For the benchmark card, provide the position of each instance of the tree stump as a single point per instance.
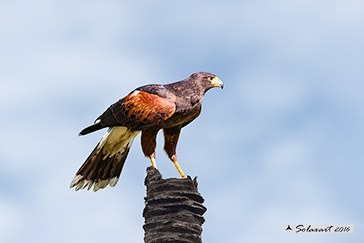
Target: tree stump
(173, 209)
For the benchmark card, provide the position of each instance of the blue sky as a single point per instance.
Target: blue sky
(282, 143)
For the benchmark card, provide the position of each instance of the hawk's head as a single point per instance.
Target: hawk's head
(207, 80)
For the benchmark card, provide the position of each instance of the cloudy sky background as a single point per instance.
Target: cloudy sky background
(282, 143)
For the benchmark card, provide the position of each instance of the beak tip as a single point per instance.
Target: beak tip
(216, 82)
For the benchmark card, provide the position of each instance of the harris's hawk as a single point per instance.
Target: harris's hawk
(146, 109)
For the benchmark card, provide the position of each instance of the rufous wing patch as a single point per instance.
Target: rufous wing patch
(140, 106)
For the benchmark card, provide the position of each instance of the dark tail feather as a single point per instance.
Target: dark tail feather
(91, 129)
(98, 171)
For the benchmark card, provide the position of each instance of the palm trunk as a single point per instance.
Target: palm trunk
(173, 209)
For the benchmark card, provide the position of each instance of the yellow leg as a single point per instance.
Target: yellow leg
(154, 164)
(179, 169)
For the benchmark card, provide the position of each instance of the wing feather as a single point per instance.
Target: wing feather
(142, 108)
(138, 110)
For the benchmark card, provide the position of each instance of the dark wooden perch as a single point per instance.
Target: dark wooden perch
(173, 209)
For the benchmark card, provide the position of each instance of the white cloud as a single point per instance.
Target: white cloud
(11, 218)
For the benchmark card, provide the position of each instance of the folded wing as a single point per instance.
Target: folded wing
(137, 111)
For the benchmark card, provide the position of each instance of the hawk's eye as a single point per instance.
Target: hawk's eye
(211, 78)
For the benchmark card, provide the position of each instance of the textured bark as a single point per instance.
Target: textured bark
(173, 209)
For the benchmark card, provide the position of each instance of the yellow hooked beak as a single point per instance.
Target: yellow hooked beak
(216, 82)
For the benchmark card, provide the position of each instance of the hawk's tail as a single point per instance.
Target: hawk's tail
(103, 166)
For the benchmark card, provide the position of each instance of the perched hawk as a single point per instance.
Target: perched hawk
(147, 109)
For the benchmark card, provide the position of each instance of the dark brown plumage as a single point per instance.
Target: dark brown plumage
(146, 109)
